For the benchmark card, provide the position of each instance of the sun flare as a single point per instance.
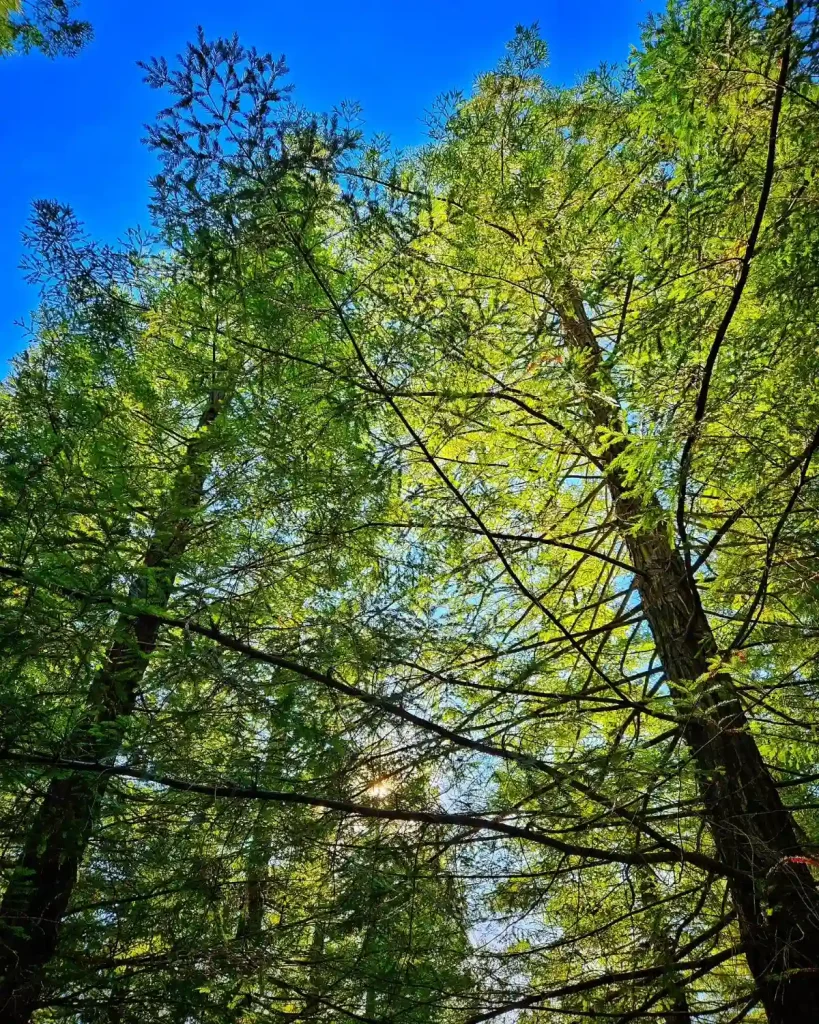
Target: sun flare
(380, 788)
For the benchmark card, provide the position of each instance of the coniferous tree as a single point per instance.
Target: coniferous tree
(482, 617)
(45, 25)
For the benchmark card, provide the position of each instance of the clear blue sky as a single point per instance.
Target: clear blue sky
(71, 129)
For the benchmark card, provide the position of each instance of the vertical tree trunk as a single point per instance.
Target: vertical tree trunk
(312, 1004)
(778, 906)
(676, 1006)
(43, 879)
(251, 918)
(250, 929)
(679, 1012)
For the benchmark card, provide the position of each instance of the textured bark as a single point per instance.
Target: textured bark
(44, 877)
(778, 907)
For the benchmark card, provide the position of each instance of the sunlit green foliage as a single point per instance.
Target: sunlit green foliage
(485, 683)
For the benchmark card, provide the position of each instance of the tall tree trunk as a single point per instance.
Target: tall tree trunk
(44, 877)
(250, 930)
(676, 1006)
(778, 906)
(251, 918)
(312, 1004)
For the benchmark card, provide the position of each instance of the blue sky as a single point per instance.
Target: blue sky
(71, 129)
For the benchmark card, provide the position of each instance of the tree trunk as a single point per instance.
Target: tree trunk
(312, 1004)
(43, 879)
(676, 1006)
(251, 917)
(778, 906)
(251, 931)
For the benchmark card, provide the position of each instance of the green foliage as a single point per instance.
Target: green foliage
(45, 25)
(496, 613)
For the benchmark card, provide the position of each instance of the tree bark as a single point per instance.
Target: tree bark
(45, 874)
(778, 906)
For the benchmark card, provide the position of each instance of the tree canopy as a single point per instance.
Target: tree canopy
(45, 25)
(410, 586)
